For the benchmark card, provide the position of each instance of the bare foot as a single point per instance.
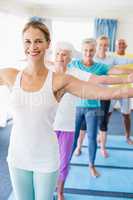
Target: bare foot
(77, 152)
(60, 196)
(129, 141)
(94, 173)
(104, 153)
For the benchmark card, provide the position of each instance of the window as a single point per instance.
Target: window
(72, 31)
(11, 50)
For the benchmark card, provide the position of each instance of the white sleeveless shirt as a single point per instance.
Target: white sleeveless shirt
(65, 115)
(33, 143)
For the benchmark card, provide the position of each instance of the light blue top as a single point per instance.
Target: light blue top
(119, 60)
(96, 68)
(112, 60)
(108, 60)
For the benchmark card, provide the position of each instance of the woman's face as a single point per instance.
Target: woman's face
(35, 44)
(62, 56)
(102, 46)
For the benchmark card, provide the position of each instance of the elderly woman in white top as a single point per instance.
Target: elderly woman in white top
(64, 124)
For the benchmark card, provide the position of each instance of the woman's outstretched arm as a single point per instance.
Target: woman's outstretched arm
(121, 69)
(8, 76)
(87, 90)
(111, 80)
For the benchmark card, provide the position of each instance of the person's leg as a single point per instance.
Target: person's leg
(22, 183)
(91, 117)
(78, 150)
(65, 140)
(127, 125)
(81, 138)
(125, 110)
(111, 108)
(44, 185)
(78, 121)
(103, 127)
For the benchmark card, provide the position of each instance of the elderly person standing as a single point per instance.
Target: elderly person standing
(125, 107)
(64, 124)
(89, 109)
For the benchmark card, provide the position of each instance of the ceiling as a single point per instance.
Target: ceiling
(70, 8)
(85, 3)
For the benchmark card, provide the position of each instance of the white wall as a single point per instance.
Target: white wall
(121, 10)
(125, 30)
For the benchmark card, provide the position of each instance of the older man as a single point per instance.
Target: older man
(123, 58)
(121, 46)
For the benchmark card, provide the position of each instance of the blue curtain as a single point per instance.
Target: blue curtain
(107, 27)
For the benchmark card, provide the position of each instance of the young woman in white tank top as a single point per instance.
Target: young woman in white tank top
(33, 155)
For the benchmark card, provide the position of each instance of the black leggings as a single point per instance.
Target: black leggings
(83, 125)
(103, 123)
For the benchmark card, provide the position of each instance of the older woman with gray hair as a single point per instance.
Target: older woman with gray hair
(64, 124)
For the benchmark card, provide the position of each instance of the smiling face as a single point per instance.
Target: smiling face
(121, 46)
(102, 45)
(63, 55)
(35, 44)
(88, 52)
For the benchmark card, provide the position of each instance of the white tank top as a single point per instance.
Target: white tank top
(33, 143)
(65, 116)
